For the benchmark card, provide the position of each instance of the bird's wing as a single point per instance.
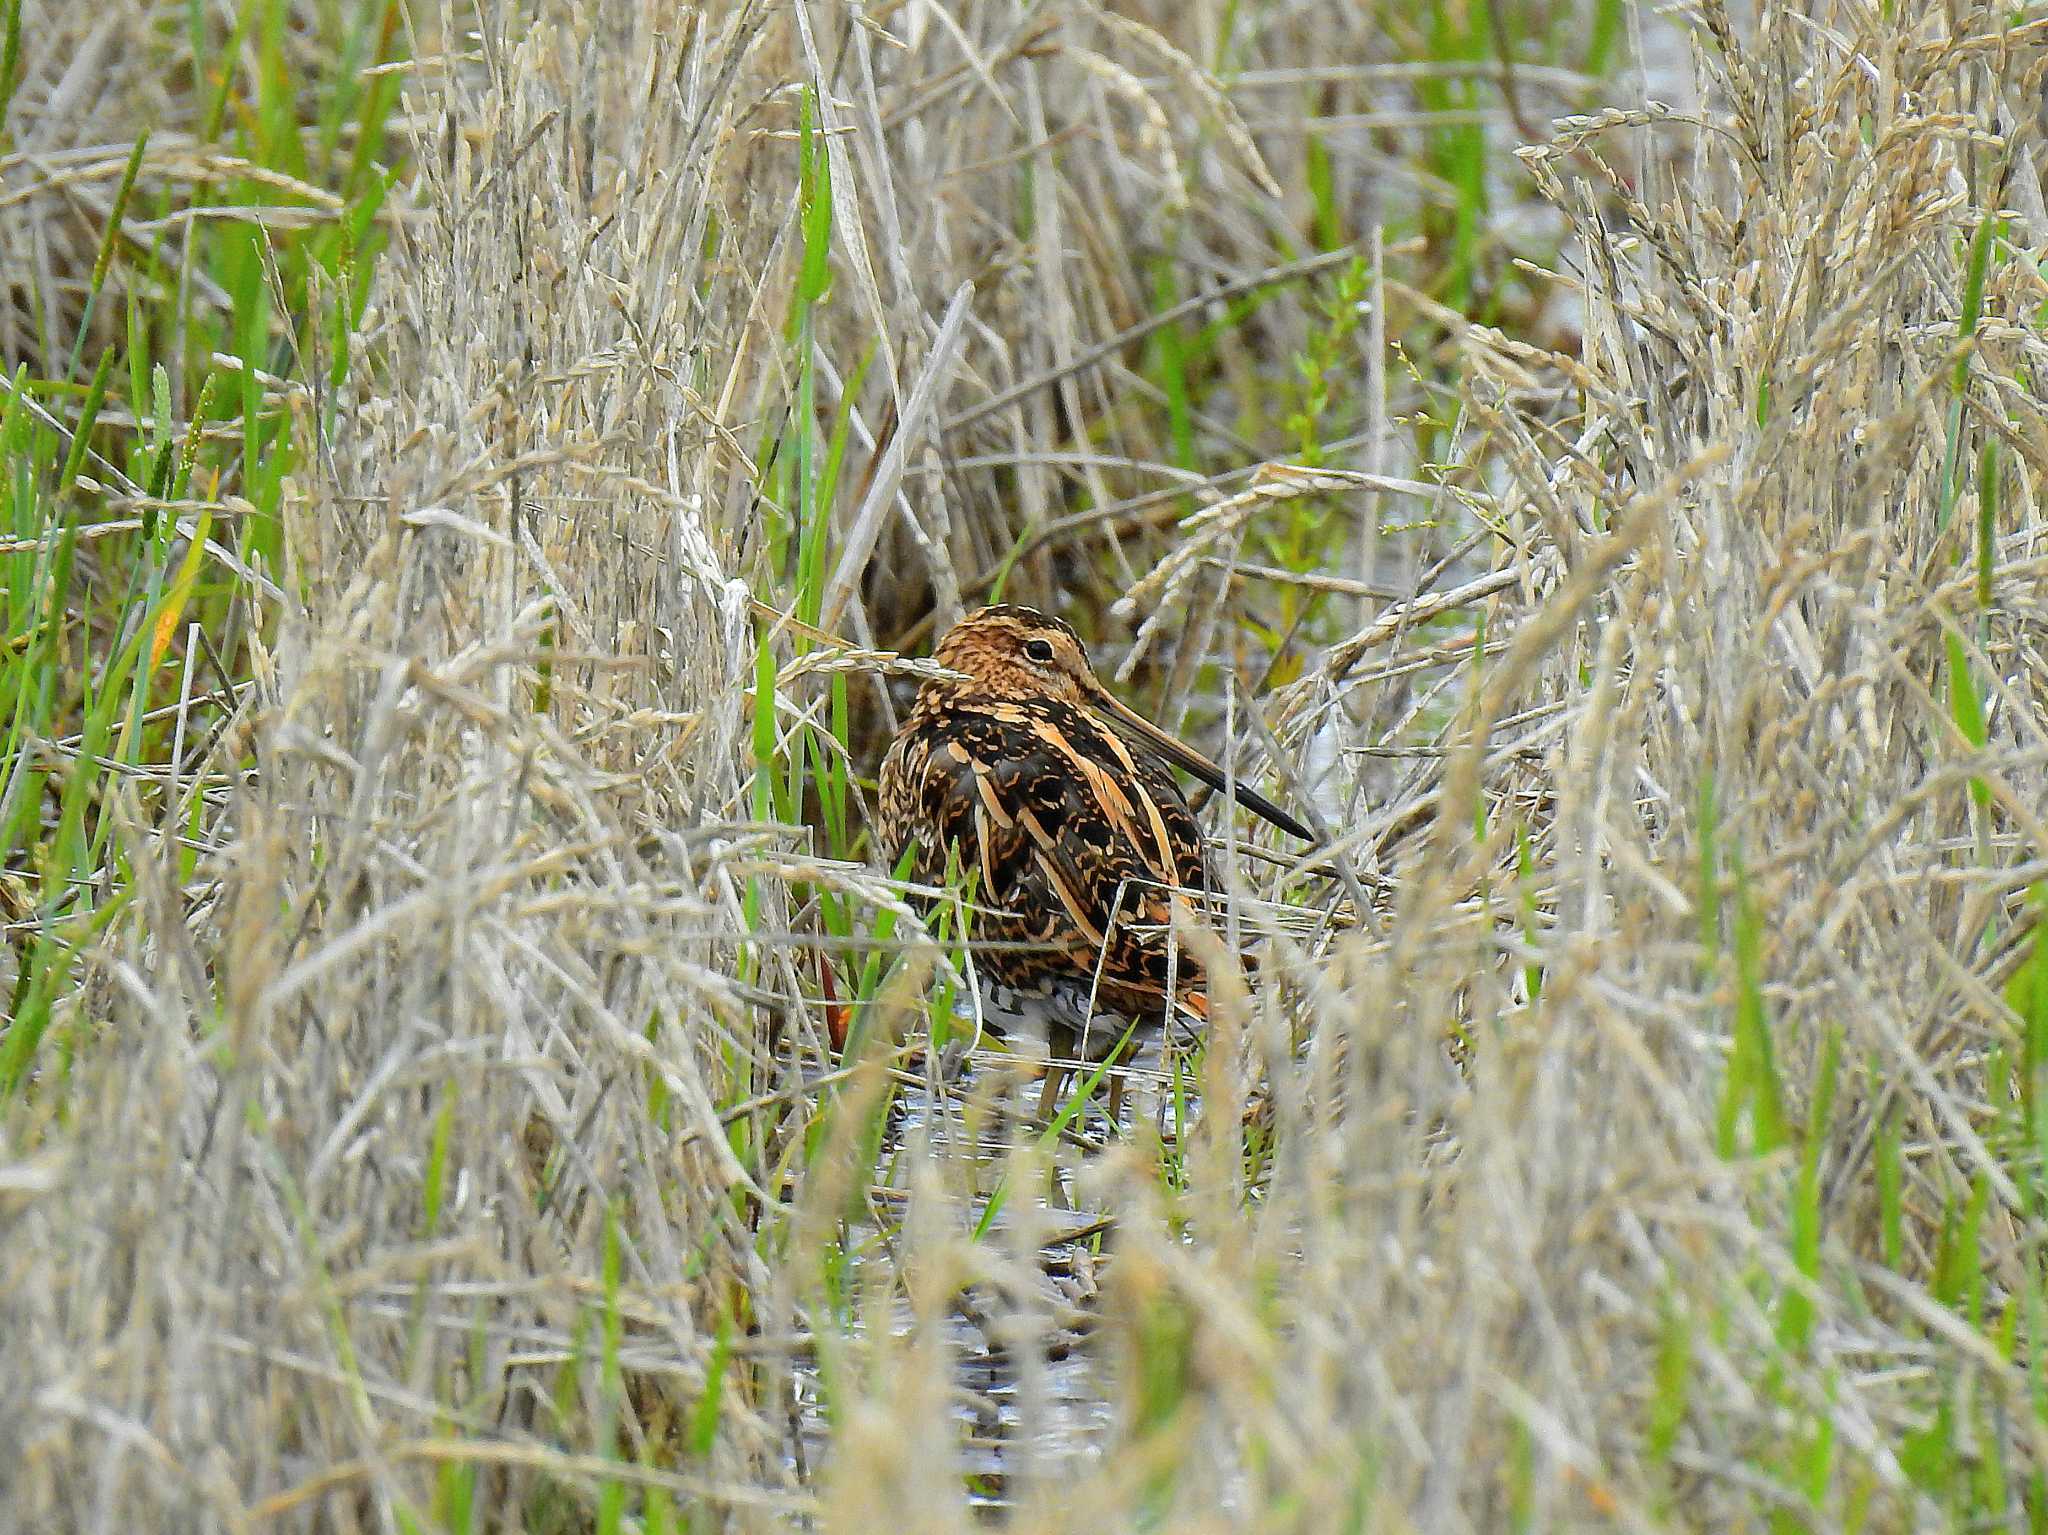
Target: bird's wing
(1078, 838)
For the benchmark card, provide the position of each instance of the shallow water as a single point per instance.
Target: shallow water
(1048, 1417)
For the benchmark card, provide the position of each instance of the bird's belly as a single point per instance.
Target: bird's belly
(1054, 1012)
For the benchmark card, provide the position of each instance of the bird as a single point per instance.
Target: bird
(1020, 773)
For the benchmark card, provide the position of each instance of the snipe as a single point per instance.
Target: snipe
(1058, 801)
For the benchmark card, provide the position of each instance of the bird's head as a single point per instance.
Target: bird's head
(1019, 654)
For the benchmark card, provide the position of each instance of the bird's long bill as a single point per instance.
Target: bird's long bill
(1182, 755)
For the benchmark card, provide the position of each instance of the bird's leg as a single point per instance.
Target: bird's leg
(1048, 1097)
(1067, 1025)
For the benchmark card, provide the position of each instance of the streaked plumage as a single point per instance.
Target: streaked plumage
(1061, 800)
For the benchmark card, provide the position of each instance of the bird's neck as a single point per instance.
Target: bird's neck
(945, 697)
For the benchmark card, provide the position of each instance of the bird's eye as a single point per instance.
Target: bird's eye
(1039, 651)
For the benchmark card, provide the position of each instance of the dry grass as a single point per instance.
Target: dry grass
(414, 1148)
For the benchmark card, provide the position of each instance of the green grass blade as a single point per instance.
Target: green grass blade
(10, 61)
(109, 243)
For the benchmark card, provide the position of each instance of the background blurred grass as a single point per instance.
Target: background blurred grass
(432, 834)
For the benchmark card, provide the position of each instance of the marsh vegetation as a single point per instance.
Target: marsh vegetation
(476, 481)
